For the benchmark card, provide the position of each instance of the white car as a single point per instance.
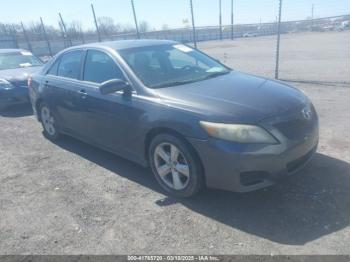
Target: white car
(250, 35)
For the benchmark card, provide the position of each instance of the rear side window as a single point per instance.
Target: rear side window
(70, 64)
(100, 67)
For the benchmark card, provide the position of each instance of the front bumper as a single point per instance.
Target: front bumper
(13, 96)
(247, 167)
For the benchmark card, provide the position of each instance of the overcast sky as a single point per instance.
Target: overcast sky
(170, 12)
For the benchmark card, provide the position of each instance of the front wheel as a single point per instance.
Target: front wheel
(48, 122)
(175, 166)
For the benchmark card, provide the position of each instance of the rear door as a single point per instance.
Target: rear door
(66, 91)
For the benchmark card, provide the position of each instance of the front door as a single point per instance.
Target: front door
(107, 117)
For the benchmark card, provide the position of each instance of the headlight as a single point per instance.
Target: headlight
(4, 84)
(239, 133)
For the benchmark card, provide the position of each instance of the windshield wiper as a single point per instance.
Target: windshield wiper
(216, 74)
(176, 83)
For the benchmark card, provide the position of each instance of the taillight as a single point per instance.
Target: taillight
(29, 81)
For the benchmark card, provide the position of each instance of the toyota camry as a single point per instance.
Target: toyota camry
(194, 121)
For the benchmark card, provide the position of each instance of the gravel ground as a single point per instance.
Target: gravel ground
(71, 198)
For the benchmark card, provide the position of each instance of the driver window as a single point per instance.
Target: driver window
(100, 67)
(54, 68)
(69, 65)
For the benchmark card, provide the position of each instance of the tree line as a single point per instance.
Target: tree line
(75, 28)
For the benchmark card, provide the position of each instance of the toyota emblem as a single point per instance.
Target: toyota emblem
(307, 113)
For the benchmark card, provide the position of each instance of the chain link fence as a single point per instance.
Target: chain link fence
(311, 50)
(39, 45)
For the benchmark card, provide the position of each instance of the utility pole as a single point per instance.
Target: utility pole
(193, 26)
(220, 20)
(278, 39)
(96, 24)
(65, 30)
(135, 19)
(45, 35)
(231, 19)
(27, 38)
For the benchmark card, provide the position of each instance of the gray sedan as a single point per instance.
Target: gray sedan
(193, 120)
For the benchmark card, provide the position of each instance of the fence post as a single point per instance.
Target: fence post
(220, 20)
(193, 26)
(278, 39)
(45, 35)
(96, 24)
(135, 19)
(65, 30)
(27, 38)
(62, 34)
(231, 19)
(312, 15)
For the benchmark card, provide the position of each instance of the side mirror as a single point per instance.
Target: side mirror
(112, 86)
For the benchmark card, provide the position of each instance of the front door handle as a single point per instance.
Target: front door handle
(82, 93)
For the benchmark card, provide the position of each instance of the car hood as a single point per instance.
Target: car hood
(18, 74)
(235, 97)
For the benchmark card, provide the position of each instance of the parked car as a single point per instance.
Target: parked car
(193, 120)
(250, 35)
(15, 67)
(344, 26)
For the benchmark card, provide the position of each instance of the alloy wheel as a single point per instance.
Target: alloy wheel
(172, 166)
(48, 121)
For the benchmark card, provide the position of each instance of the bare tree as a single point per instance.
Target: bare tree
(107, 26)
(75, 29)
(127, 28)
(4, 30)
(144, 26)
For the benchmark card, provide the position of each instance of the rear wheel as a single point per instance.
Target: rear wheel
(175, 166)
(48, 122)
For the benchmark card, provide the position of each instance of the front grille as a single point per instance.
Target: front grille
(297, 127)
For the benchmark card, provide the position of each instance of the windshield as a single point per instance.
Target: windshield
(18, 60)
(170, 65)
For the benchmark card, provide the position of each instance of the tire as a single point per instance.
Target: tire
(48, 122)
(168, 158)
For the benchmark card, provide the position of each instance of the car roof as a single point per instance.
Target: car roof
(124, 44)
(11, 50)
